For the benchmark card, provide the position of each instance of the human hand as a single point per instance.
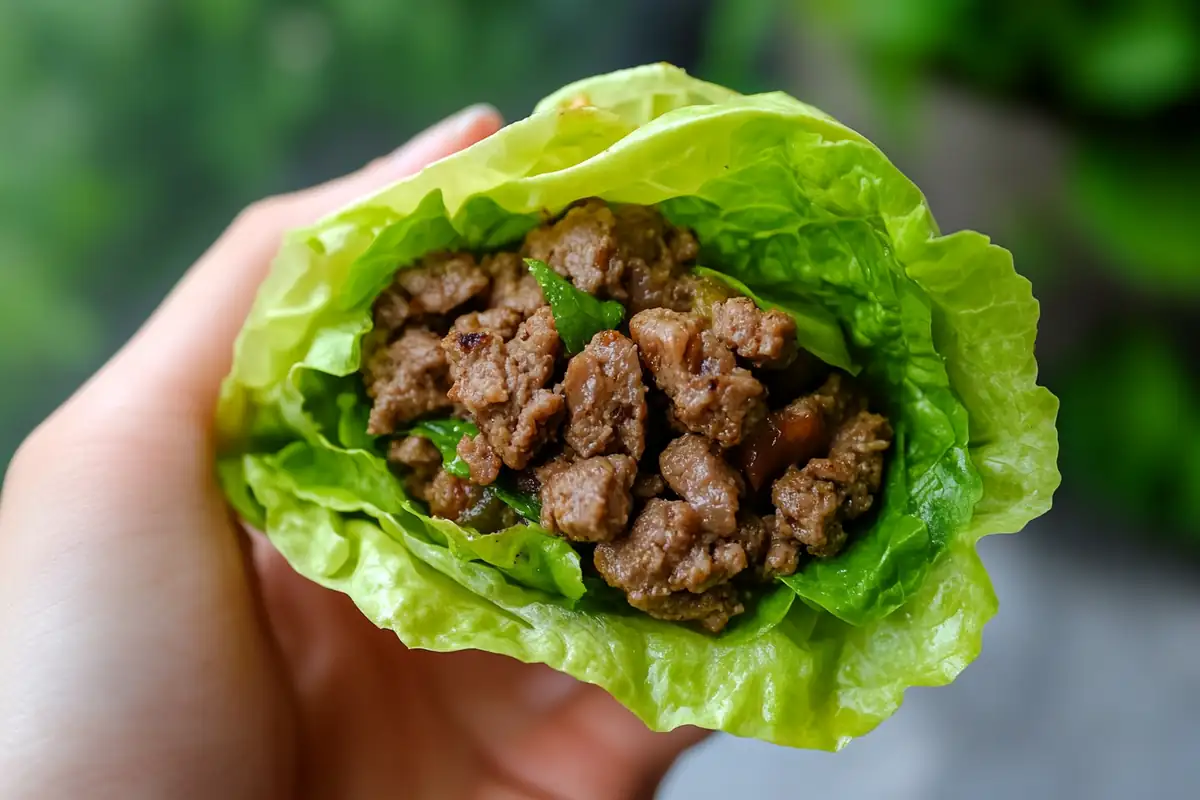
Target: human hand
(149, 647)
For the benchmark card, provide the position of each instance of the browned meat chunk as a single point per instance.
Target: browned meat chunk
(392, 311)
(421, 460)
(606, 399)
(481, 459)
(590, 500)
(438, 284)
(813, 502)
(710, 394)
(503, 321)
(766, 338)
(783, 551)
(512, 285)
(450, 497)
(668, 550)
(442, 282)
(559, 463)
(628, 253)
(469, 505)
(711, 609)
(754, 535)
(692, 466)
(671, 569)
(502, 385)
(859, 446)
(581, 246)
(654, 251)
(407, 379)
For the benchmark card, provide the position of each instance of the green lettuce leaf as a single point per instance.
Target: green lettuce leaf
(347, 483)
(577, 315)
(445, 434)
(810, 217)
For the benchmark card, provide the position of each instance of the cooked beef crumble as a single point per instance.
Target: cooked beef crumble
(626, 253)
(407, 379)
(655, 443)
(589, 500)
(764, 338)
(709, 393)
(502, 385)
(606, 399)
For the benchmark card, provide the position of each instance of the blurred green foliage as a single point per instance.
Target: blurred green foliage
(1130, 427)
(1124, 58)
(1122, 75)
(132, 130)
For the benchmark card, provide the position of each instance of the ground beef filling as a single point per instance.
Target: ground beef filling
(503, 387)
(659, 446)
(710, 394)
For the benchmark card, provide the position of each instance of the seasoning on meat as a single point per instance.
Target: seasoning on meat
(711, 609)
(442, 282)
(512, 286)
(482, 461)
(670, 558)
(783, 551)
(502, 385)
(407, 379)
(449, 497)
(503, 321)
(694, 469)
(765, 338)
(710, 394)
(590, 500)
(813, 502)
(626, 253)
(606, 399)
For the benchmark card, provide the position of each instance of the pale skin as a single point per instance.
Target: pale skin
(150, 647)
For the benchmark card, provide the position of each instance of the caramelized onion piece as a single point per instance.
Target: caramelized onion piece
(791, 435)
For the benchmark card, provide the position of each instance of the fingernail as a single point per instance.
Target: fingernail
(466, 119)
(453, 126)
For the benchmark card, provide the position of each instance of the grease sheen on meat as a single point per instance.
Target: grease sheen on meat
(407, 380)
(503, 385)
(589, 500)
(606, 399)
(655, 449)
(710, 394)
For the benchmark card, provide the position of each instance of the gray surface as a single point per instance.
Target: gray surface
(1088, 687)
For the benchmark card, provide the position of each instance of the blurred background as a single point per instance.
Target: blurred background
(132, 131)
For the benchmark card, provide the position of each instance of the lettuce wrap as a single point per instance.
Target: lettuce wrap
(798, 212)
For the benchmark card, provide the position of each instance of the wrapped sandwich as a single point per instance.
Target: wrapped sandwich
(676, 390)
